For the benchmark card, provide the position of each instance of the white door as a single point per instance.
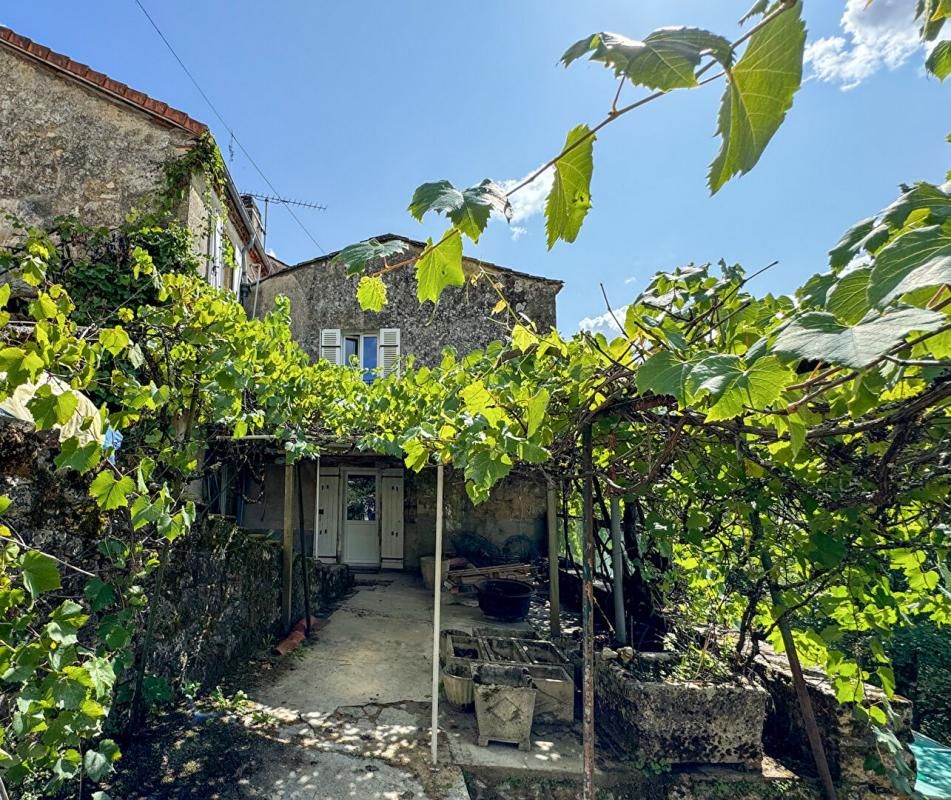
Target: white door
(391, 512)
(328, 516)
(361, 524)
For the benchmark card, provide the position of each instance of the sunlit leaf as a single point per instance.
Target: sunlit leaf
(666, 59)
(570, 196)
(820, 337)
(371, 293)
(759, 92)
(439, 267)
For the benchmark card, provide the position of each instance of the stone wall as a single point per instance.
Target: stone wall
(846, 741)
(322, 296)
(68, 149)
(221, 599)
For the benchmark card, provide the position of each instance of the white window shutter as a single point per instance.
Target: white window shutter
(217, 253)
(331, 345)
(389, 359)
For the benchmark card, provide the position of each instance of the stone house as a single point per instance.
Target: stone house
(373, 513)
(76, 142)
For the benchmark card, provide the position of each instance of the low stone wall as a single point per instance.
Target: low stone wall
(846, 741)
(221, 599)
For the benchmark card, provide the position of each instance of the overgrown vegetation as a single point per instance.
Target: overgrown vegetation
(784, 459)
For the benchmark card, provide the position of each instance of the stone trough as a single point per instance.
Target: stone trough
(681, 723)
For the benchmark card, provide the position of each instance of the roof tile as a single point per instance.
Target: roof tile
(100, 81)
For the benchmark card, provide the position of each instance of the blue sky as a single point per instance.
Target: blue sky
(354, 104)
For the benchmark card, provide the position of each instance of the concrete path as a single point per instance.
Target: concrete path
(356, 704)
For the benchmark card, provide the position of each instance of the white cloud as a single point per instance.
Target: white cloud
(604, 323)
(528, 201)
(271, 252)
(883, 34)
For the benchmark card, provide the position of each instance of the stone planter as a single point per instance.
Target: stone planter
(681, 723)
(457, 681)
(445, 642)
(555, 701)
(505, 704)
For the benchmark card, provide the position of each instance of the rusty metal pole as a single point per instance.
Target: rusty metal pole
(287, 547)
(554, 596)
(587, 615)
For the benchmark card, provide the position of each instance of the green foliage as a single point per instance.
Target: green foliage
(440, 266)
(469, 210)
(939, 61)
(570, 196)
(355, 256)
(666, 59)
(759, 92)
(371, 293)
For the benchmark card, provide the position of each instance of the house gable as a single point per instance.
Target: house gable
(323, 298)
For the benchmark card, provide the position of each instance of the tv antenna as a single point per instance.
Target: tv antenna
(267, 199)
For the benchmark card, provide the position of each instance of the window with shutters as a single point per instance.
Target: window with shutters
(375, 353)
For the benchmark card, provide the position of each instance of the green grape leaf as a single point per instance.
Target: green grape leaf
(570, 196)
(666, 59)
(115, 340)
(469, 210)
(759, 92)
(20, 365)
(49, 408)
(439, 266)
(664, 374)
(80, 457)
(819, 336)
(756, 10)
(916, 260)
(111, 492)
(98, 763)
(99, 594)
(371, 293)
(536, 409)
(40, 573)
(735, 387)
(848, 298)
(922, 196)
(354, 257)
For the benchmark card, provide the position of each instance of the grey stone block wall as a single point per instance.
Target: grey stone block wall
(67, 149)
(322, 296)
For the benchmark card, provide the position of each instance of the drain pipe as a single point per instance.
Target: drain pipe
(317, 519)
(617, 568)
(437, 598)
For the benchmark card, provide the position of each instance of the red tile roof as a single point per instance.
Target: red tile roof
(104, 83)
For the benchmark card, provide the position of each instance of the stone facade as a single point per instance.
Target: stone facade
(69, 150)
(72, 148)
(322, 296)
(510, 525)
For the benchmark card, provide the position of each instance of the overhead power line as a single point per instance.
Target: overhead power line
(227, 127)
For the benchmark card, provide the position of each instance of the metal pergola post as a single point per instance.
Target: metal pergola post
(437, 598)
(587, 616)
(554, 593)
(617, 568)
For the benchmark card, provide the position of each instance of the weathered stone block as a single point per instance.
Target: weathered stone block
(681, 723)
(846, 741)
